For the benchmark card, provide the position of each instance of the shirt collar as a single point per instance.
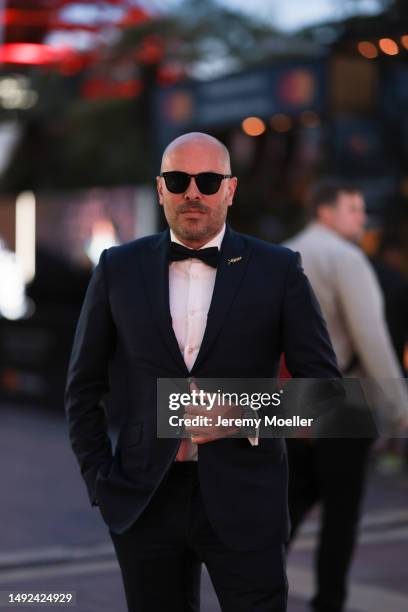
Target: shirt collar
(214, 242)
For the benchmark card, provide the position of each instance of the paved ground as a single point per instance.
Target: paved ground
(51, 539)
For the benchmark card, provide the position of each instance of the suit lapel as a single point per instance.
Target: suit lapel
(234, 257)
(156, 274)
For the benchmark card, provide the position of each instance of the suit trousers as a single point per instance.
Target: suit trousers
(332, 472)
(160, 556)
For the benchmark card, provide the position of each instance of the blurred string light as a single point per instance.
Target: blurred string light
(367, 49)
(388, 46)
(281, 123)
(253, 126)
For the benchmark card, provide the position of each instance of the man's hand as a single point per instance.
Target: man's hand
(204, 434)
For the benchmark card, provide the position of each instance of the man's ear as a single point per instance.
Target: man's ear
(232, 186)
(159, 186)
(325, 214)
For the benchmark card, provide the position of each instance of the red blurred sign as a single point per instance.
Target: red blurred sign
(48, 19)
(31, 53)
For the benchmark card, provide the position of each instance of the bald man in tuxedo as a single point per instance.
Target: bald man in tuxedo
(195, 301)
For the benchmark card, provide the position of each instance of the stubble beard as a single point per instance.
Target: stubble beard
(195, 234)
(193, 231)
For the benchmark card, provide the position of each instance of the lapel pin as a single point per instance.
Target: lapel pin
(233, 260)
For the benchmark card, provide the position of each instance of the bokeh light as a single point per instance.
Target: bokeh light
(253, 126)
(388, 46)
(367, 49)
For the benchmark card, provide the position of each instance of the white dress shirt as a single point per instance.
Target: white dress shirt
(191, 286)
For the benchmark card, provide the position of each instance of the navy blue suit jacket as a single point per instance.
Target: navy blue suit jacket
(262, 306)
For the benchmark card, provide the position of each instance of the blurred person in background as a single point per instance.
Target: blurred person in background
(333, 471)
(172, 505)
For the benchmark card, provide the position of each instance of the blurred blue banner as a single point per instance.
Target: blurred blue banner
(200, 105)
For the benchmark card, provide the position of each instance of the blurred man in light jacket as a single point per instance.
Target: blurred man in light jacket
(332, 471)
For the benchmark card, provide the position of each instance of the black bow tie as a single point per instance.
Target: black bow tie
(209, 256)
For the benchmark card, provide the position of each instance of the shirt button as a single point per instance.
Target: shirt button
(190, 350)
(192, 312)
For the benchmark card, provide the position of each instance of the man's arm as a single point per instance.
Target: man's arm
(309, 355)
(306, 342)
(87, 380)
(362, 304)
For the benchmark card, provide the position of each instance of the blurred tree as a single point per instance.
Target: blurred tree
(74, 139)
(95, 127)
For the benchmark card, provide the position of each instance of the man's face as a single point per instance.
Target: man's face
(347, 217)
(195, 217)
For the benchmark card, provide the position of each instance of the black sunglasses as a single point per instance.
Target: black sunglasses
(207, 182)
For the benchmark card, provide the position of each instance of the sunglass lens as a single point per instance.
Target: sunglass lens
(177, 182)
(208, 182)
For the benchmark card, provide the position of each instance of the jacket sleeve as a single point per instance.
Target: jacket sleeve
(87, 380)
(306, 342)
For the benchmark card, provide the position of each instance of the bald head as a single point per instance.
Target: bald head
(196, 216)
(197, 144)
